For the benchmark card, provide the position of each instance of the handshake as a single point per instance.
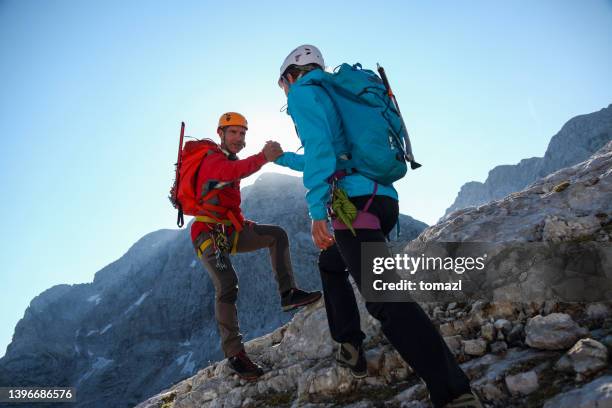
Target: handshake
(272, 150)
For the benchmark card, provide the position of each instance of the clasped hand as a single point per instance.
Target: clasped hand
(272, 150)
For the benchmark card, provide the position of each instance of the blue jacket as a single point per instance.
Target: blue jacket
(319, 128)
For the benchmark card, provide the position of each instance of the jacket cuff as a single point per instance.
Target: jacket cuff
(318, 213)
(261, 158)
(282, 160)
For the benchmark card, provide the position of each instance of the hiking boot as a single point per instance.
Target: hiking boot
(352, 357)
(244, 367)
(469, 400)
(295, 298)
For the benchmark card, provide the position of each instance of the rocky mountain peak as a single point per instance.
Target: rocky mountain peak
(577, 140)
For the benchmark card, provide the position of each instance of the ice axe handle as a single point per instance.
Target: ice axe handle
(180, 220)
(383, 76)
(180, 149)
(381, 71)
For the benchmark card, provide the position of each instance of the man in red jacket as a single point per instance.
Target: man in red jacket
(224, 231)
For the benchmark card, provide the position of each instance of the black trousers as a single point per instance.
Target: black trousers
(405, 324)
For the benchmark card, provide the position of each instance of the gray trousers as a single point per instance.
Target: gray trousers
(251, 238)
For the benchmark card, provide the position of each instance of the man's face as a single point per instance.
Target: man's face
(232, 138)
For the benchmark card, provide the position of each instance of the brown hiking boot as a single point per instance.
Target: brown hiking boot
(244, 367)
(295, 298)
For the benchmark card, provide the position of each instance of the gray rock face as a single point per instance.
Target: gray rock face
(586, 357)
(147, 320)
(476, 347)
(557, 331)
(598, 311)
(522, 383)
(488, 331)
(412, 395)
(596, 394)
(570, 204)
(552, 240)
(302, 373)
(578, 139)
(312, 379)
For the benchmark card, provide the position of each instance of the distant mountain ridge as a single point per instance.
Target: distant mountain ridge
(577, 140)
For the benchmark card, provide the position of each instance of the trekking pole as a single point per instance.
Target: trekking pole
(180, 221)
(408, 153)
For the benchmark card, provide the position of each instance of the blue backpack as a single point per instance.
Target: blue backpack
(376, 137)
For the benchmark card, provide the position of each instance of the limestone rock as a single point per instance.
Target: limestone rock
(587, 357)
(476, 347)
(499, 347)
(454, 344)
(416, 392)
(447, 329)
(503, 325)
(522, 383)
(556, 331)
(598, 311)
(596, 394)
(487, 331)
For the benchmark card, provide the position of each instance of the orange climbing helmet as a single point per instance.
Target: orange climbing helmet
(232, 119)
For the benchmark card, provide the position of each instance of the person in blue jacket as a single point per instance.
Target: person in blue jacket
(405, 324)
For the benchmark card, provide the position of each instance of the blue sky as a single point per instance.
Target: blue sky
(92, 95)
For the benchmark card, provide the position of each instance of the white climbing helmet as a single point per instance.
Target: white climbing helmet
(303, 55)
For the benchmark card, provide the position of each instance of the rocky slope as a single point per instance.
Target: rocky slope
(578, 139)
(146, 321)
(517, 354)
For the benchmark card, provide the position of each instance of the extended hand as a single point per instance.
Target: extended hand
(320, 234)
(274, 143)
(272, 151)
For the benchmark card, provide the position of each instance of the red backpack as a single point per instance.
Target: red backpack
(183, 194)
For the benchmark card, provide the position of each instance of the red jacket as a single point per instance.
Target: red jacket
(219, 168)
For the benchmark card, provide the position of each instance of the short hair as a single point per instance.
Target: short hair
(296, 70)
